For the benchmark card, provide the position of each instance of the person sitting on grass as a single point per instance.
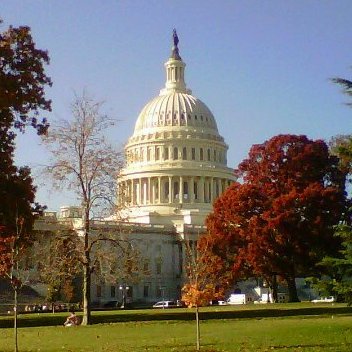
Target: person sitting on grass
(72, 320)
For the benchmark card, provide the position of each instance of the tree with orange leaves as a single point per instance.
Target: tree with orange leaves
(201, 286)
(15, 262)
(279, 222)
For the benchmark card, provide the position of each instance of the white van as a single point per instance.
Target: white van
(237, 298)
(165, 304)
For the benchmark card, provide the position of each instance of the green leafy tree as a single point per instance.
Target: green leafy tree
(338, 269)
(346, 86)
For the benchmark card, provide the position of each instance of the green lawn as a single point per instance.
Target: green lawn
(295, 327)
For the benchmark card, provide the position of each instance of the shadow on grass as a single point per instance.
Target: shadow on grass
(49, 319)
(331, 346)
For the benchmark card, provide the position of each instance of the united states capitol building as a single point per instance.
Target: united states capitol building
(176, 166)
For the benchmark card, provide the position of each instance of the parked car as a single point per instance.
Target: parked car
(324, 300)
(111, 304)
(216, 302)
(165, 304)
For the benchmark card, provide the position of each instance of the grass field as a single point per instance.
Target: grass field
(294, 327)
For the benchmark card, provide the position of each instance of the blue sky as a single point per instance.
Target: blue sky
(261, 66)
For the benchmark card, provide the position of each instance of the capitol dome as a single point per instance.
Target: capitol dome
(176, 110)
(176, 160)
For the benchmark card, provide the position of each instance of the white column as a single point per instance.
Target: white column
(181, 190)
(152, 200)
(206, 190)
(220, 186)
(159, 189)
(211, 189)
(201, 190)
(140, 194)
(149, 192)
(191, 190)
(132, 191)
(170, 189)
(145, 191)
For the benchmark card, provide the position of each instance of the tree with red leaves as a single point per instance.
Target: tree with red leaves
(22, 97)
(278, 222)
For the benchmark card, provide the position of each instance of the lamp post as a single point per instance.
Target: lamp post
(162, 291)
(124, 288)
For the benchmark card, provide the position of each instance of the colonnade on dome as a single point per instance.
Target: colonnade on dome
(172, 189)
(175, 151)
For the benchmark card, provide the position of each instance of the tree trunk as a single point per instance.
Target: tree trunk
(86, 275)
(274, 289)
(15, 320)
(86, 295)
(292, 290)
(198, 328)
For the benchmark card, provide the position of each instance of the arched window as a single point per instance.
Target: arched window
(185, 190)
(166, 190)
(208, 152)
(148, 154)
(176, 190)
(175, 153)
(193, 153)
(201, 154)
(157, 153)
(184, 153)
(166, 153)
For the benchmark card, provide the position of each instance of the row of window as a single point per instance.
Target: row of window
(175, 153)
(159, 291)
(183, 116)
(171, 135)
(176, 122)
(113, 291)
(175, 118)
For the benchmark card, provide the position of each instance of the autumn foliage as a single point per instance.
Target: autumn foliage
(196, 295)
(201, 284)
(22, 98)
(277, 222)
(22, 81)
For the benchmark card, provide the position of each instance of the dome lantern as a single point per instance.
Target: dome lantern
(175, 71)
